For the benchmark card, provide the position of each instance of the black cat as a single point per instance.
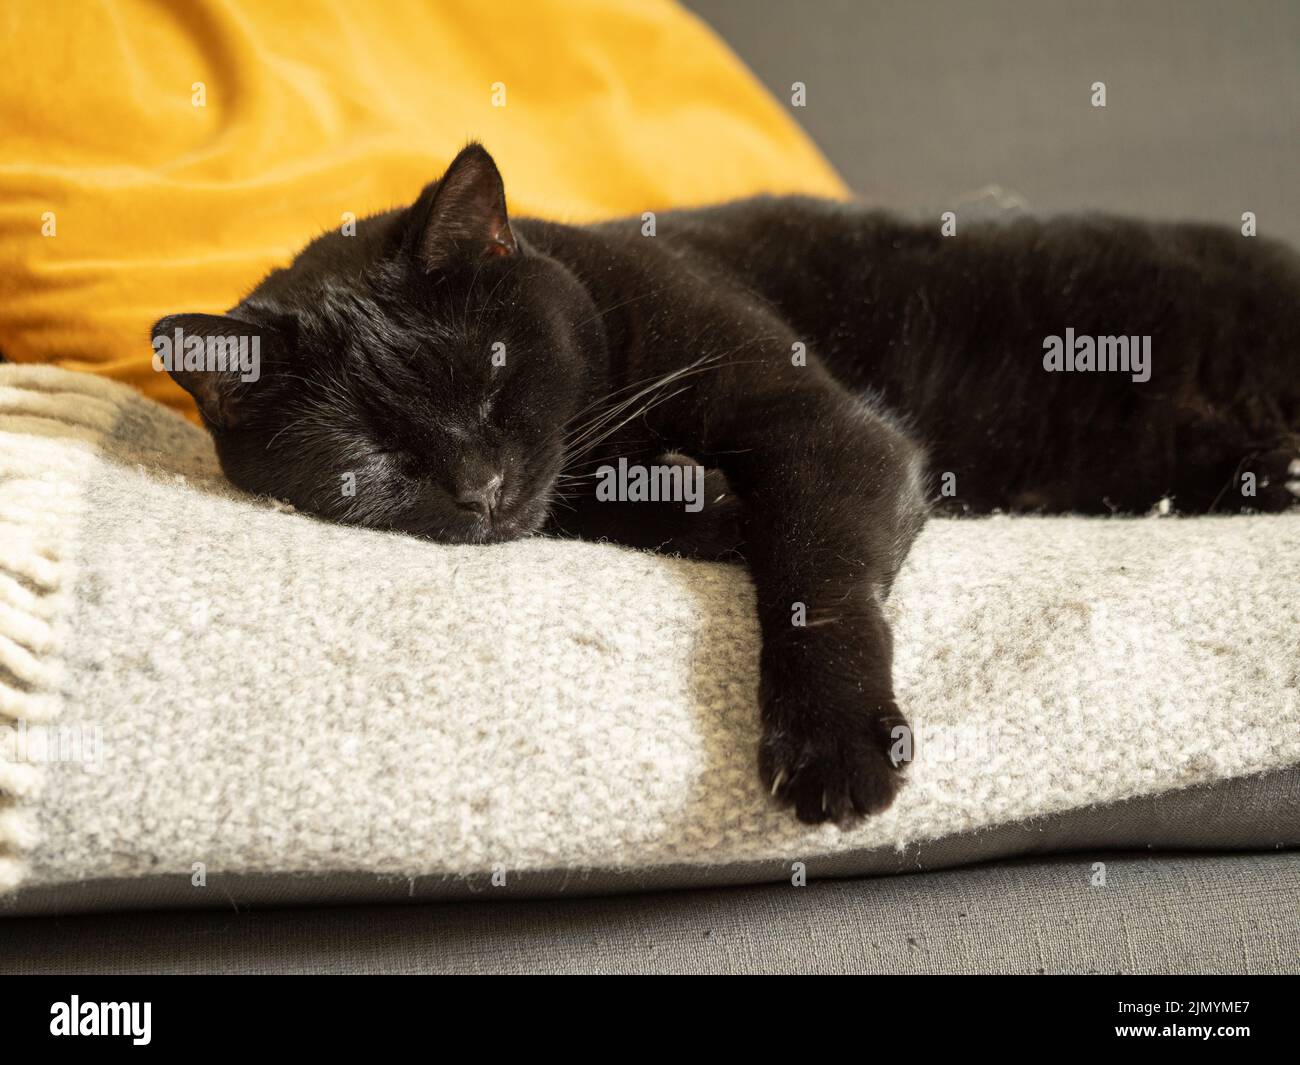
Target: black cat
(470, 376)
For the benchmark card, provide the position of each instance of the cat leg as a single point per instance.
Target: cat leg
(1265, 482)
(1219, 471)
(833, 498)
(1238, 448)
(822, 496)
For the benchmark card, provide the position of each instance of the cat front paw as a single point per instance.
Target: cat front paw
(837, 768)
(713, 531)
(1276, 482)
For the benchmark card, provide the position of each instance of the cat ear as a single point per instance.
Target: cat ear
(464, 211)
(213, 357)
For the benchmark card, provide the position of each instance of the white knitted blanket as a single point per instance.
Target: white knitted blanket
(259, 691)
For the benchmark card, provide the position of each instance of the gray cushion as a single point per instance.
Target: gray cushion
(1250, 813)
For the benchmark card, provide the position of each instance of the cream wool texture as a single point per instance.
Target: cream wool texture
(272, 693)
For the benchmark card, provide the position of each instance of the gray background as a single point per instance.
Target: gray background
(919, 102)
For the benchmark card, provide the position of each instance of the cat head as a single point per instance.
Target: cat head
(416, 375)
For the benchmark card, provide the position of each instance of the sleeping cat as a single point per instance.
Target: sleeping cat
(836, 370)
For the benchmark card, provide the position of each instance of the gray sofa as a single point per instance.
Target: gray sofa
(1182, 913)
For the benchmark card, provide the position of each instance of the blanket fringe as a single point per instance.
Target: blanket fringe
(40, 501)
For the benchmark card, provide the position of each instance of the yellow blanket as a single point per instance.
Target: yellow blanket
(161, 157)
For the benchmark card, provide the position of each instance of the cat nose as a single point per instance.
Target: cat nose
(482, 497)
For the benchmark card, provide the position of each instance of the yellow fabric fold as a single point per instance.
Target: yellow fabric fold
(161, 157)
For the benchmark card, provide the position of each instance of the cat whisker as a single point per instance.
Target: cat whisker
(582, 435)
(639, 412)
(602, 311)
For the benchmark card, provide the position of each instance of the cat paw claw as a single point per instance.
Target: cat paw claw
(838, 777)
